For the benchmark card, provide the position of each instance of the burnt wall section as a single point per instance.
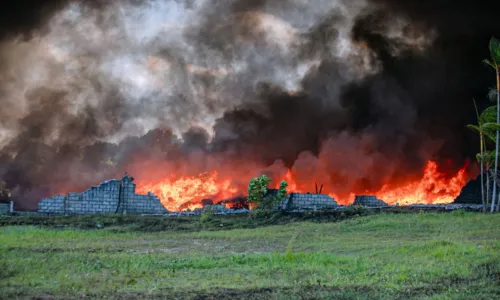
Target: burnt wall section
(132, 203)
(295, 201)
(113, 196)
(369, 201)
(97, 200)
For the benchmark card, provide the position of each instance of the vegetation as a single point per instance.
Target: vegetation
(257, 189)
(489, 127)
(485, 157)
(424, 255)
(131, 223)
(207, 214)
(495, 64)
(282, 190)
(258, 192)
(4, 193)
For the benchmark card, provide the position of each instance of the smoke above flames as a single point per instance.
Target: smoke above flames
(195, 97)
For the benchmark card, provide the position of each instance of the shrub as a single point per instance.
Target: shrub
(257, 189)
(258, 192)
(207, 214)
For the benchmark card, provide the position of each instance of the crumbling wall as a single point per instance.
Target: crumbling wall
(109, 197)
(369, 201)
(308, 201)
(132, 203)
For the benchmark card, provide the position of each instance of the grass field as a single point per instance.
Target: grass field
(383, 256)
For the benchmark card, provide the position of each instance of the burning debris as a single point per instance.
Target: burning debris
(195, 98)
(115, 196)
(181, 193)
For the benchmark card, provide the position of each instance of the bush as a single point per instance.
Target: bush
(257, 192)
(207, 214)
(257, 189)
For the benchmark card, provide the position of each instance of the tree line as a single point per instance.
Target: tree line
(488, 127)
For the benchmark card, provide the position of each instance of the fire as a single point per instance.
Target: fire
(187, 192)
(177, 193)
(433, 188)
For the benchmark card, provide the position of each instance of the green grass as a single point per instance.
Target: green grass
(383, 256)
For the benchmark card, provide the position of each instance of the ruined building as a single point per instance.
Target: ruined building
(298, 201)
(113, 196)
(369, 201)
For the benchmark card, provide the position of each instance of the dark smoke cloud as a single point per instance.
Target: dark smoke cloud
(24, 16)
(268, 83)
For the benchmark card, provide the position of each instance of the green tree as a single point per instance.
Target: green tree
(258, 193)
(257, 189)
(486, 131)
(494, 47)
(282, 190)
(480, 156)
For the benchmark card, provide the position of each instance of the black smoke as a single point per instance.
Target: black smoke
(413, 108)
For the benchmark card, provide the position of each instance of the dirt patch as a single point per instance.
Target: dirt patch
(157, 250)
(301, 292)
(61, 250)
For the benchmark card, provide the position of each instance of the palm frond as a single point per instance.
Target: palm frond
(475, 108)
(491, 126)
(489, 157)
(474, 127)
(489, 63)
(489, 115)
(495, 51)
(492, 94)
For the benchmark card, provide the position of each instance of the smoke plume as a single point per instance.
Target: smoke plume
(352, 94)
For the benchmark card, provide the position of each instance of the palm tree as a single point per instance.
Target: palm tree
(480, 157)
(495, 64)
(484, 128)
(488, 159)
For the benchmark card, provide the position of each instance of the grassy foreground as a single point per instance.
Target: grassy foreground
(383, 256)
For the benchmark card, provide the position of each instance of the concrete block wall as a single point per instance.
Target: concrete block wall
(109, 197)
(132, 203)
(102, 199)
(4, 208)
(55, 204)
(308, 201)
(369, 201)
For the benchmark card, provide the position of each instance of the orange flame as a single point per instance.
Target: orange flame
(177, 193)
(432, 188)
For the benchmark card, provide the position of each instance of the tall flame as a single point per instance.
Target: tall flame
(433, 188)
(186, 191)
(177, 193)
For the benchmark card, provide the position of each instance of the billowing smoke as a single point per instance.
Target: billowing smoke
(351, 94)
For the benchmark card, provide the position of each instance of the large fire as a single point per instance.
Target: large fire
(177, 193)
